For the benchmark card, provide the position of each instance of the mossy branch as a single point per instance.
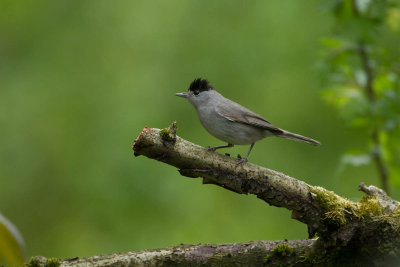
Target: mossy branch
(257, 253)
(312, 205)
(193, 161)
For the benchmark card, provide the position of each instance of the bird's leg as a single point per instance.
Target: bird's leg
(244, 160)
(218, 147)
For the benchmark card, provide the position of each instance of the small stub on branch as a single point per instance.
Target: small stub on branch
(373, 191)
(169, 134)
(384, 200)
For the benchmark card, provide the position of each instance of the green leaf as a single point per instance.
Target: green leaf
(343, 10)
(331, 42)
(385, 81)
(395, 176)
(386, 111)
(393, 19)
(11, 243)
(351, 103)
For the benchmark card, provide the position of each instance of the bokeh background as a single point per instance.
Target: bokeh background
(80, 79)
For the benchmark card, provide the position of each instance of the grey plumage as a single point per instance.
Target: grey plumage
(231, 122)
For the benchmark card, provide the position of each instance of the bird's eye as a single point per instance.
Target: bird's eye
(196, 92)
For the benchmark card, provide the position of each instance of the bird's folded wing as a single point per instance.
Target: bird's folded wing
(237, 113)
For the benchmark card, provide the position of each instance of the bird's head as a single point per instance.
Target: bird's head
(199, 92)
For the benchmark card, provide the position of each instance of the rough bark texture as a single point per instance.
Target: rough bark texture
(242, 254)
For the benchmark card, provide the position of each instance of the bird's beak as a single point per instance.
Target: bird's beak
(184, 95)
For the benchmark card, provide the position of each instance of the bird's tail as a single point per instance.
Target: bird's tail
(298, 137)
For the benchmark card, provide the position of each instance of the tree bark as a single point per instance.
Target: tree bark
(240, 254)
(194, 161)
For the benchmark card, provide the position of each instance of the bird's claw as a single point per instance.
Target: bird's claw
(212, 149)
(241, 161)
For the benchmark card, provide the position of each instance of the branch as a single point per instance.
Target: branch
(377, 151)
(239, 254)
(274, 187)
(384, 200)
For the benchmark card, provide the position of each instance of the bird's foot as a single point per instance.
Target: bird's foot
(212, 149)
(241, 161)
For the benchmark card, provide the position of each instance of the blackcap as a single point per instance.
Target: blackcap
(231, 122)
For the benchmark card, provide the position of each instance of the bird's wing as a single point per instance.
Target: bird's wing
(234, 112)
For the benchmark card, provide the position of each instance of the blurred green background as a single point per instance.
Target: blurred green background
(80, 79)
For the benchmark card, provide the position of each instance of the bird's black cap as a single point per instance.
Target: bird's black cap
(200, 85)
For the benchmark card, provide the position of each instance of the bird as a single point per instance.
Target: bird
(229, 121)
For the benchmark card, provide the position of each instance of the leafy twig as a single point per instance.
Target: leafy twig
(370, 92)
